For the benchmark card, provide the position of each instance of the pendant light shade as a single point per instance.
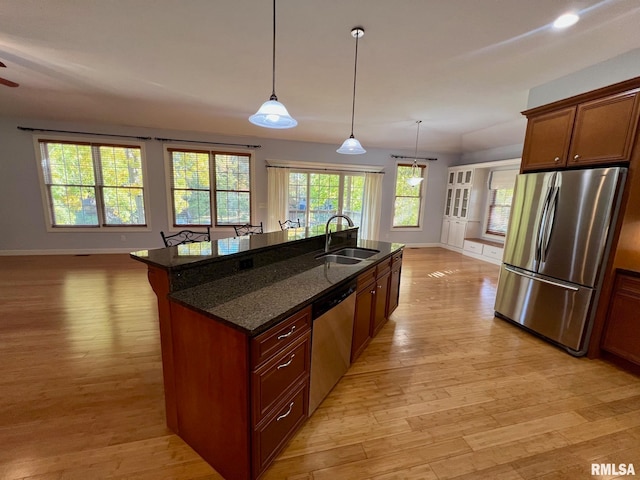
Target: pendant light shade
(416, 172)
(272, 113)
(351, 145)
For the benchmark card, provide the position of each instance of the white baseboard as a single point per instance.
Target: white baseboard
(422, 245)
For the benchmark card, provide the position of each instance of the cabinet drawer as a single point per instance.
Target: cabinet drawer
(276, 377)
(366, 278)
(280, 336)
(492, 252)
(474, 247)
(383, 266)
(272, 435)
(396, 260)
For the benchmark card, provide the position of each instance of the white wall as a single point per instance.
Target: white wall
(22, 217)
(614, 70)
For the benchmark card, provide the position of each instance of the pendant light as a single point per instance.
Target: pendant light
(416, 172)
(272, 113)
(351, 145)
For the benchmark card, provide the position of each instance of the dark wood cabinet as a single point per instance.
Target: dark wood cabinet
(240, 399)
(604, 130)
(379, 315)
(377, 297)
(546, 143)
(622, 330)
(365, 297)
(599, 131)
(394, 283)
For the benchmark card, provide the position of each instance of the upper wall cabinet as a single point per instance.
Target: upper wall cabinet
(590, 132)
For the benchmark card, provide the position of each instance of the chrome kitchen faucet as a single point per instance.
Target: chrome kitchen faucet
(327, 231)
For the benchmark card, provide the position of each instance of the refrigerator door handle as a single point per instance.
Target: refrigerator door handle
(548, 226)
(543, 218)
(539, 279)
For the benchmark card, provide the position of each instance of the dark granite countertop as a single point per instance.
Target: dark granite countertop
(186, 256)
(256, 299)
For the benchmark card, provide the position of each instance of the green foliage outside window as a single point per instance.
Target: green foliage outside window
(408, 199)
(314, 197)
(193, 173)
(90, 185)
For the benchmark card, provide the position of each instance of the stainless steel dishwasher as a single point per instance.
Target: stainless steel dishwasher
(331, 341)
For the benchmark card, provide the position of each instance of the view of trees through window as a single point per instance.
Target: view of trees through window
(192, 174)
(499, 211)
(408, 199)
(315, 196)
(93, 185)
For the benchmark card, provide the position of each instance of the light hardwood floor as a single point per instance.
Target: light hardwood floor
(444, 391)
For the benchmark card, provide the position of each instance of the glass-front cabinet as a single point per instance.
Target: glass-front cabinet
(448, 204)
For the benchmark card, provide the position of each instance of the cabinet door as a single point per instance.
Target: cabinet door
(362, 321)
(451, 178)
(448, 204)
(464, 202)
(394, 289)
(380, 310)
(456, 233)
(622, 333)
(457, 202)
(546, 143)
(604, 130)
(444, 234)
(459, 177)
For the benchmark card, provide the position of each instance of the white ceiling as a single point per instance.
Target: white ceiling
(463, 67)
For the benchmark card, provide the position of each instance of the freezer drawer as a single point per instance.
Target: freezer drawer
(556, 310)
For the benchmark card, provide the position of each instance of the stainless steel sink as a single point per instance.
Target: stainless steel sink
(332, 258)
(356, 252)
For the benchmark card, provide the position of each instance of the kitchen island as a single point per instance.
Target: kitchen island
(236, 326)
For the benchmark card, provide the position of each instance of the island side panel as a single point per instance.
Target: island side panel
(159, 280)
(211, 365)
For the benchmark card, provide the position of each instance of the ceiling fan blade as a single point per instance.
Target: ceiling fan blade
(8, 83)
(3, 65)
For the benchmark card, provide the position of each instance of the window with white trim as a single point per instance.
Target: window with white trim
(206, 181)
(93, 184)
(315, 196)
(408, 200)
(501, 185)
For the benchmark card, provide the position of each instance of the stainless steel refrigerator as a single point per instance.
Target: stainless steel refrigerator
(557, 240)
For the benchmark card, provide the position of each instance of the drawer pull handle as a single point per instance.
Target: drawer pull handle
(285, 335)
(557, 159)
(576, 157)
(286, 364)
(285, 414)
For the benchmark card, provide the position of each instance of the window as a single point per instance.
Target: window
(315, 196)
(194, 172)
(407, 206)
(501, 184)
(93, 184)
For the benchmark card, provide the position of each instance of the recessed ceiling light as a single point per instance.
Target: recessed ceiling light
(566, 20)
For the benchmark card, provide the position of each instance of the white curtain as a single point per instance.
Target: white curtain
(277, 198)
(371, 206)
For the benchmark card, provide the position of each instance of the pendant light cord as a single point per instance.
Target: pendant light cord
(417, 133)
(273, 70)
(355, 73)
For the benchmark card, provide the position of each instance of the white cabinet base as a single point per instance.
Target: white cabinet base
(483, 250)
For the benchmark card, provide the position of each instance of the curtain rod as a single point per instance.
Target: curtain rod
(324, 169)
(30, 129)
(416, 158)
(208, 143)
